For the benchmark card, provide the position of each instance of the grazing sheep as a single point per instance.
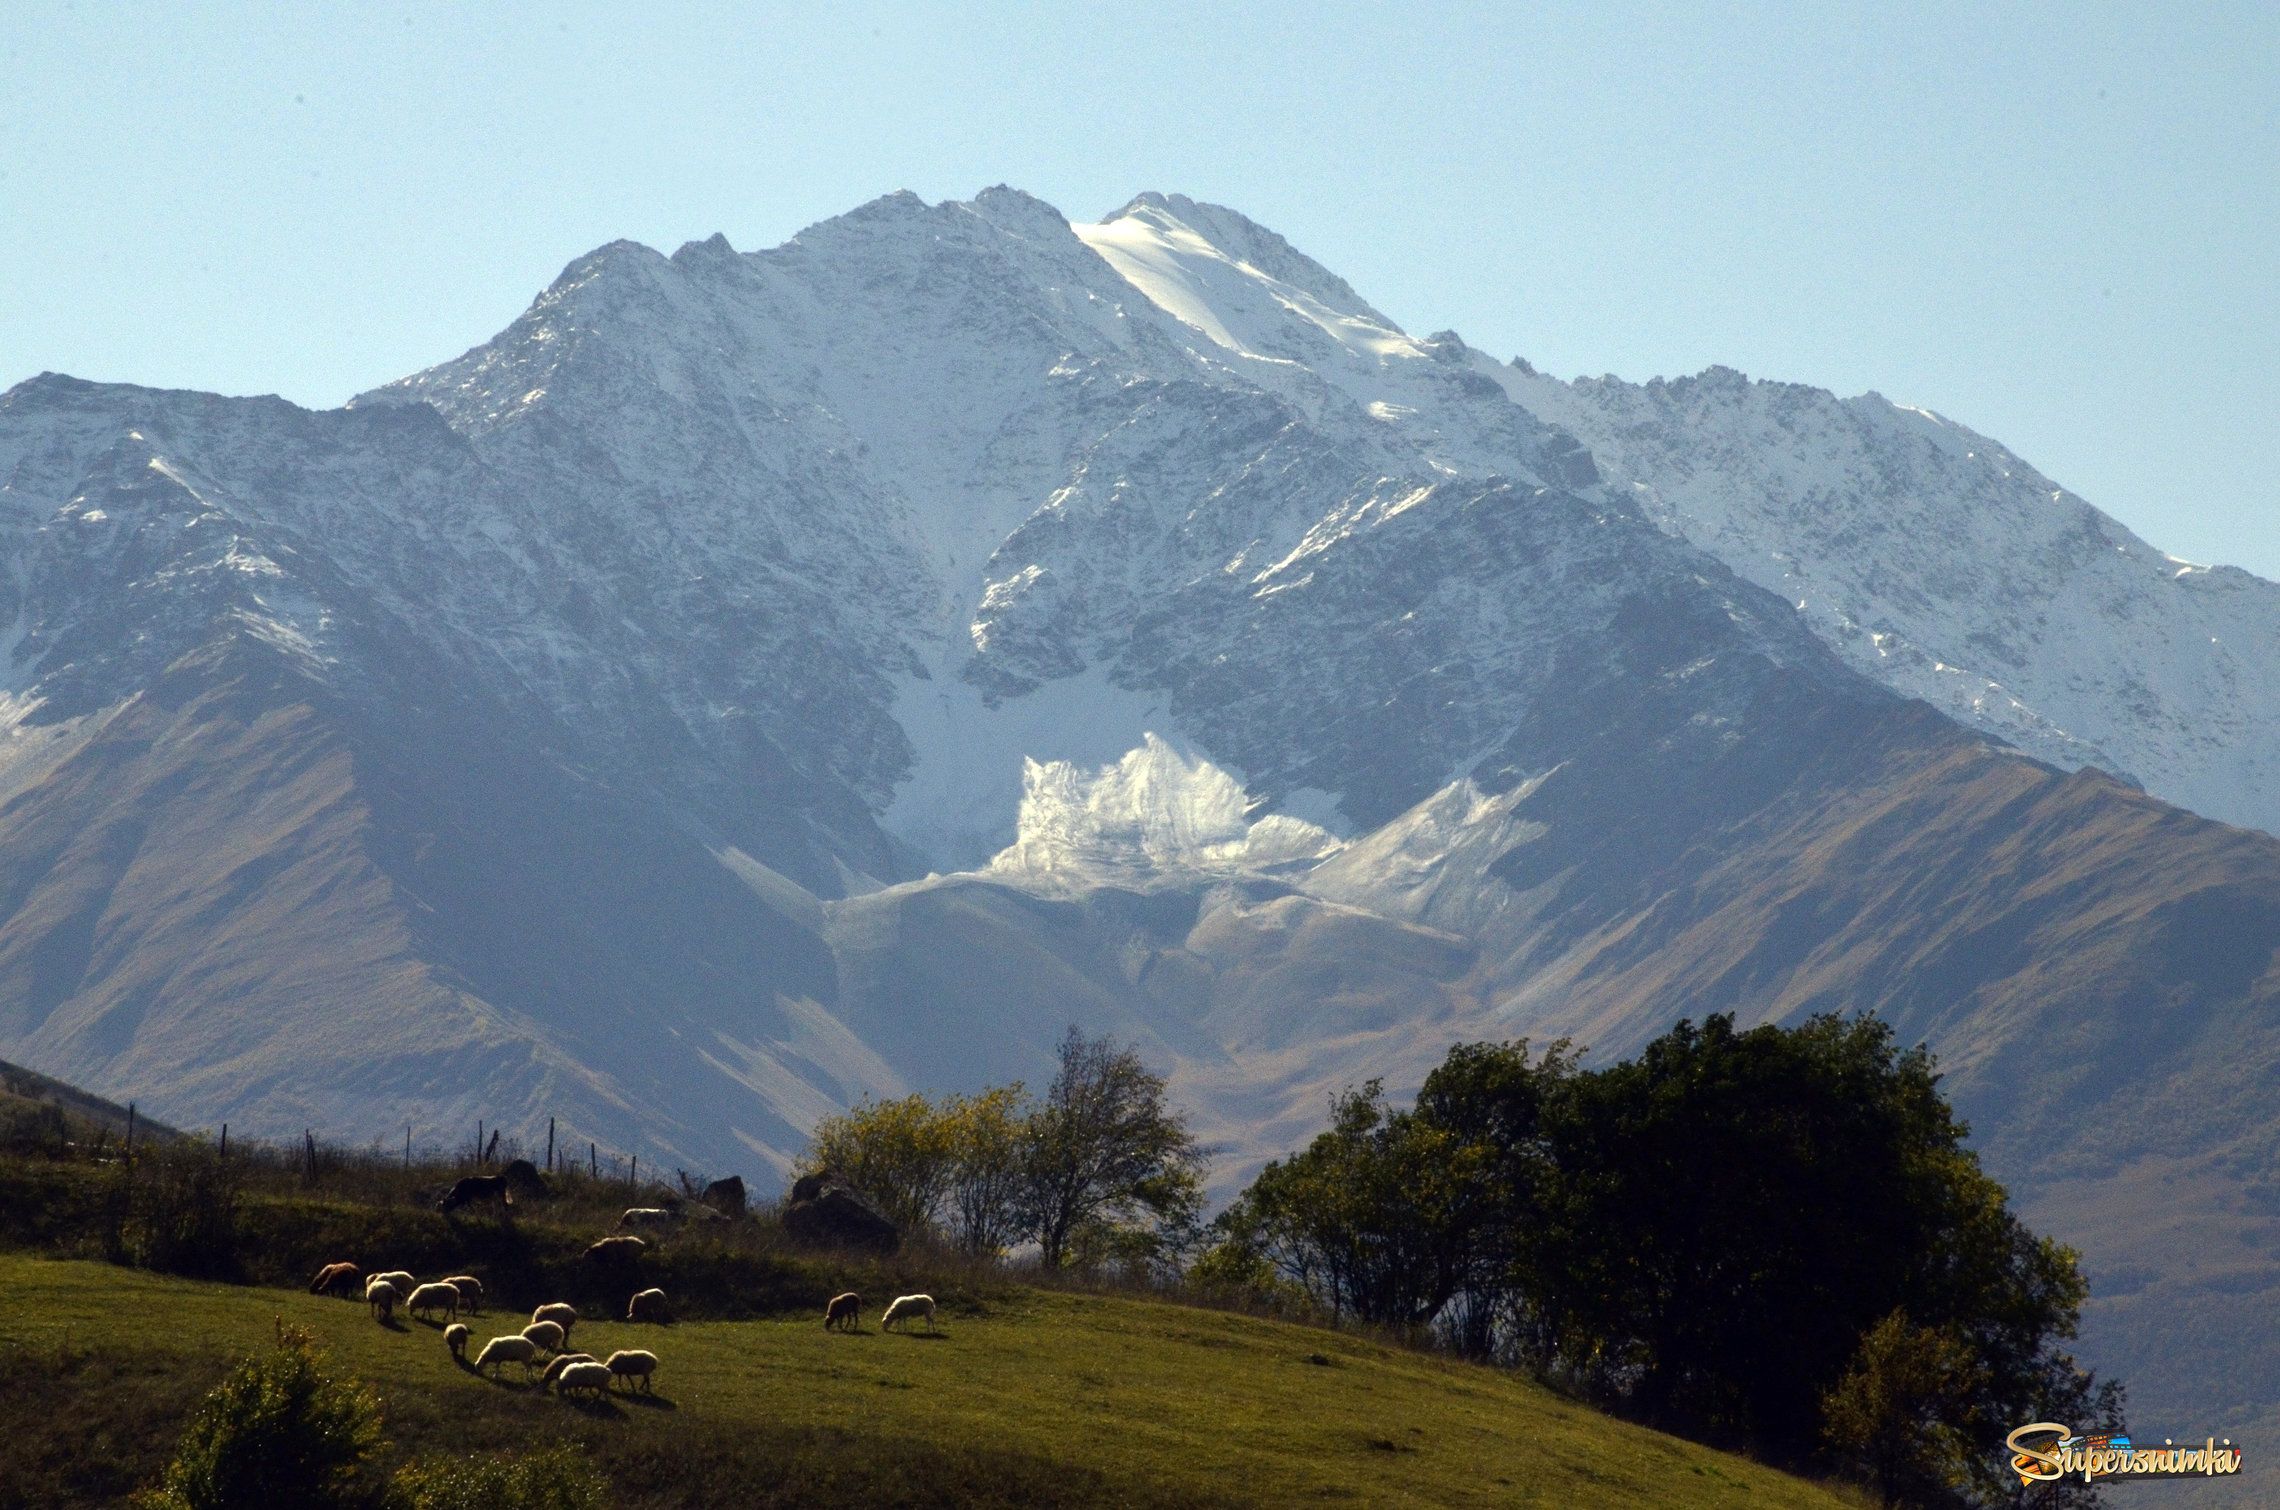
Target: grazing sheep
(470, 1292)
(404, 1281)
(506, 1350)
(561, 1362)
(561, 1313)
(593, 1376)
(621, 1250)
(631, 1363)
(336, 1279)
(545, 1334)
(455, 1338)
(907, 1306)
(382, 1296)
(477, 1187)
(428, 1297)
(649, 1305)
(648, 1216)
(845, 1312)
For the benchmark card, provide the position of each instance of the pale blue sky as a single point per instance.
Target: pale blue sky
(2056, 224)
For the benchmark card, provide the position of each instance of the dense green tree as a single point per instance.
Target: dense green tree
(1714, 1236)
(1729, 1214)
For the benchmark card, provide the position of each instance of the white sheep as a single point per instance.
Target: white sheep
(593, 1376)
(632, 1363)
(560, 1312)
(506, 1350)
(381, 1296)
(907, 1306)
(561, 1362)
(404, 1280)
(455, 1338)
(429, 1297)
(545, 1334)
(649, 1305)
(470, 1292)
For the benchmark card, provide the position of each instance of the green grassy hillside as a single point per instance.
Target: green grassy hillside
(1041, 1398)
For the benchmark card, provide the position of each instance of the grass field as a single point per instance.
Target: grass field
(1041, 1398)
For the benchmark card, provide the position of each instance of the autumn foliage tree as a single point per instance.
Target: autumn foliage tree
(1099, 1172)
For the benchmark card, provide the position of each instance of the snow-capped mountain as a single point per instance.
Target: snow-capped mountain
(1948, 569)
(752, 681)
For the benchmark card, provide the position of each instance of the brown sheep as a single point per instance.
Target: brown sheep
(845, 1312)
(470, 1292)
(336, 1279)
(649, 1305)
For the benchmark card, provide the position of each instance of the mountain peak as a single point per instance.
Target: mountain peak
(1244, 240)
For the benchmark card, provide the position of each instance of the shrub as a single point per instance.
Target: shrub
(279, 1431)
(553, 1479)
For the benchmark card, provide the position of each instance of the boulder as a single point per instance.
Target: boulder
(826, 1213)
(726, 1196)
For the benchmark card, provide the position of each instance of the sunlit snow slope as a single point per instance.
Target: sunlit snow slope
(1944, 566)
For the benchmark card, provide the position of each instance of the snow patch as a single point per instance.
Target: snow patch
(959, 804)
(1153, 815)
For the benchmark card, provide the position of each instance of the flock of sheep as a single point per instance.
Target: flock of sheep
(547, 1337)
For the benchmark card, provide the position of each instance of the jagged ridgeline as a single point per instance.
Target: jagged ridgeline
(729, 692)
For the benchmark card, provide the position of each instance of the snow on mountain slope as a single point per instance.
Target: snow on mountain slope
(1937, 562)
(1152, 817)
(941, 459)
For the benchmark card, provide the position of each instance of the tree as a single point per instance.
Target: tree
(1104, 1149)
(1726, 1217)
(1714, 1236)
(985, 1181)
(1372, 1219)
(278, 1431)
(1904, 1415)
(898, 1153)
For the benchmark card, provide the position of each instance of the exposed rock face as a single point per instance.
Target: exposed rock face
(1938, 563)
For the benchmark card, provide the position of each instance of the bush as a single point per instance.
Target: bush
(279, 1431)
(554, 1479)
